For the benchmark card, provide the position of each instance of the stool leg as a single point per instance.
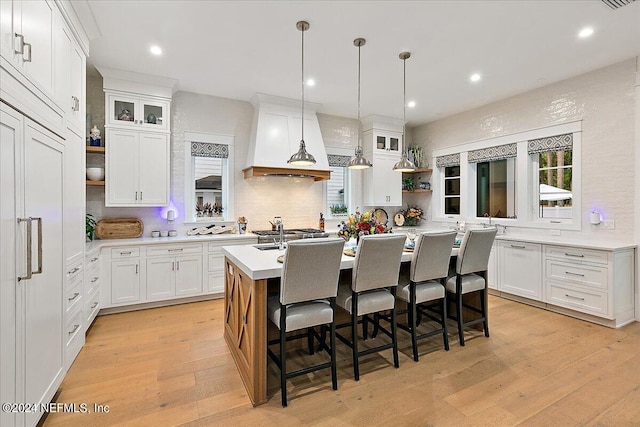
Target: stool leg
(283, 355)
(310, 340)
(483, 307)
(412, 320)
(445, 334)
(459, 309)
(332, 339)
(354, 335)
(394, 335)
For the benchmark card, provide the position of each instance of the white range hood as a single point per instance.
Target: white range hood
(275, 137)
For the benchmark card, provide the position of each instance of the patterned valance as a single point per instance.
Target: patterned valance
(207, 149)
(493, 153)
(551, 143)
(448, 160)
(337, 160)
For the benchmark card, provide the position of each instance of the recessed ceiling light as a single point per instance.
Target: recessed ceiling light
(155, 50)
(311, 82)
(411, 104)
(585, 32)
(475, 77)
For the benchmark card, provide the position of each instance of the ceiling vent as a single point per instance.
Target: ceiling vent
(616, 4)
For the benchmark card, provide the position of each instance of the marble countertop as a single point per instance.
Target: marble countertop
(225, 237)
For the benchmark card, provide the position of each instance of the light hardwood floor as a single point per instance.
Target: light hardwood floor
(170, 366)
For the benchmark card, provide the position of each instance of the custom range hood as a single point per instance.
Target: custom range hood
(275, 137)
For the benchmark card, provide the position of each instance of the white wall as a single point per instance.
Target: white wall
(605, 102)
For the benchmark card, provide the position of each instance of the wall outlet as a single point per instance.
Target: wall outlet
(555, 232)
(608, 224)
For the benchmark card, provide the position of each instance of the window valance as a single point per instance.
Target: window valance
(207, 149)
(551, 143)
(493, 153)
(448, 160)
(336, 160)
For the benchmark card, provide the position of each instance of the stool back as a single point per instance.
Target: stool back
(377, 262)
(431, 255)
(475, 250)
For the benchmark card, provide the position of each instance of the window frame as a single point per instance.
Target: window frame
(527, 184)
(353, 181)
(228, 174)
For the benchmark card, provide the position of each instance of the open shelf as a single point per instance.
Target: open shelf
(421, 170)
(91, 149)
(418, 190)
(95, 183)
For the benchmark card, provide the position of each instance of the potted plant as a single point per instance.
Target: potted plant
(338, 209)
(90, 222)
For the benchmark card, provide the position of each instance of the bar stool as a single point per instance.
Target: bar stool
(471, 275)
(375, 275)
(424, 289)
(308, 289)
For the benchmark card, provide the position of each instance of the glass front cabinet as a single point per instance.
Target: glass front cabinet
(149, 113)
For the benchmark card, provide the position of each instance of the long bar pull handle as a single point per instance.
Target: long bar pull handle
(573, 274)
(574, 297)
(518, 246)
(173, 265)
(75, 328)
(574, 255)
(178, 264)
(39, 220)
(20, 49)
(30, 52)
(75, 295)
(29, 272)
(136, 268)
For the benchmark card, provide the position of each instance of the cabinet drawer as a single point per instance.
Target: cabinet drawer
(73, 326)
(576, 254)
(74, 271)
(73, 294)
(125, 253)
(92, 282)
(591, 302)
(91, 307)
(164, 250)
(580, 274)
(216, 263)
(216, 282)
(91, 262)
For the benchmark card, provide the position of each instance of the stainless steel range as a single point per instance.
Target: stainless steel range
(271, 236)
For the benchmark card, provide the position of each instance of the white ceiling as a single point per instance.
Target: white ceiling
(234, 49)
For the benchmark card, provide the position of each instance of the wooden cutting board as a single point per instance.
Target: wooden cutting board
(119, 228)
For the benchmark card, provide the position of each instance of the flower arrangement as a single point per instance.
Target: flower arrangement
(360, 224)
(412, 215)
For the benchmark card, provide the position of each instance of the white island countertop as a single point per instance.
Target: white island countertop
(262, 264)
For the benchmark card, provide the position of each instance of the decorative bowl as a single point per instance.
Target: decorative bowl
(95, 174)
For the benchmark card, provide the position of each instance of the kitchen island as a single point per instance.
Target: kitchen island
(247, 270)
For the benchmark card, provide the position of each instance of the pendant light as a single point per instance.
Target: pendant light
(404, 165)
(302, 157)
(359, 162)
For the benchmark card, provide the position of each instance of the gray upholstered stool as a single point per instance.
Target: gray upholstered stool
(308, 289)
(471, 275)
(425, 286)
(375, 275)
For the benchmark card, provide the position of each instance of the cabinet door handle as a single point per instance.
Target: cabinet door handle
(574, 297)
(94, 280)
(93, 259)
(136, 196)
(20, 49)
(125, 253)
(30, 52)
(141, 196)
(75, 295)
(178, 264)
(574, 255)
(136, 268)
(74, 270)
(75, 328)
(176, 250)
(95, 304)
(75, 105)
(29, 272)
(173, 265)
(574, 274)
(39, 221)
(518, 246)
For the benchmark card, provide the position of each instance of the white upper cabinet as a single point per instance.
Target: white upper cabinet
(130, 111)
(28, 40)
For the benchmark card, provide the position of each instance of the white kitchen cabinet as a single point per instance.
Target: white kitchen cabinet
(137, 168)
(520, 269)
(178, 275)
(91, 291)
(32, 316)
(70, 79)
(132, 111)
(215, 262)
(74, 213)
(492, 270)
(73, 334)
(125, 280)
(28, 40)
(382, 185)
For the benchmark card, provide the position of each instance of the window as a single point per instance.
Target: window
(452, 190)
(555, 178)
(208, 175)
(337, 189)
(496, 189)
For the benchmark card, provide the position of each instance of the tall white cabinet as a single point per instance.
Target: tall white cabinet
(137, 124)
(42, 123)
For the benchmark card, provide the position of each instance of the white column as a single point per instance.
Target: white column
(637, 203)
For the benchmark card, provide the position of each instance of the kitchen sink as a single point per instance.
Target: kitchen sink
(267, 247)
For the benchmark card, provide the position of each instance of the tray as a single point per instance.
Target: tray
(119, 228)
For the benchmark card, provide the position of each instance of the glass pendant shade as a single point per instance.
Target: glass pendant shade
(359, 162)
(302, 157)
(404, 165)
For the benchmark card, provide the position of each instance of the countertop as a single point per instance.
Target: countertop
(573, 242)
(259, 264)
(225, 237)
